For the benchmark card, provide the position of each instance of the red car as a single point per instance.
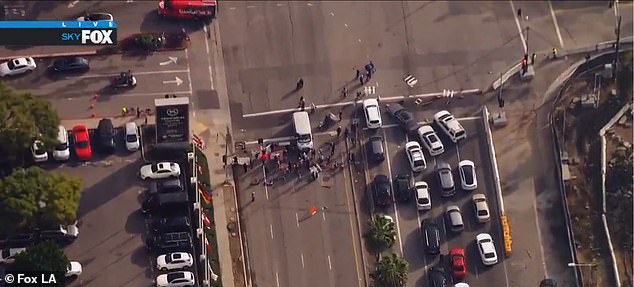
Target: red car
(458, 263)
(82, 142)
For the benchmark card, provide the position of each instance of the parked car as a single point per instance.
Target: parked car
(105, 136)
(169, 242)
(171, 224)
(74, 269)
(431, 236)
(167, 185)
(486, 248)
(548, 283)
(38, 150)
(160, 170)
(402, 188)
(7, 255)
(454, 218)
(20, 240)
(382, 194)
(60, 234)
(450, 126)
(375, 149)
(423, 199)
(174, 261)
(99, 16)
(175, 279)
(458, 263)
(82, 142)
(430, 140)
(468, 179)
(61, 151)
(437, 277)
(70, 65)
(481, 208)
(415, 156)
(132, 142)
(404, 118)
(372, 113)
(445, 178)
(17, 66)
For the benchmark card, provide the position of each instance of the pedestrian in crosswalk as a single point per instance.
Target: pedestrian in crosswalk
(358, 74)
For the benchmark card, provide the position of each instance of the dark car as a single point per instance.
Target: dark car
(98, 16)
(375, 149)
(105, 136)
(437, 277)
(165, 186)
(169, 242)
(171, 224)
(381, 188)
(402, 188)
(20, 240)
(548, 283)
(404, 118)
(71, 64)
(431, 236)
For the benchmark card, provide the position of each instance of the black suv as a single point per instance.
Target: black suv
(375, 149)
(166, 186)
(402, 188)
(431, 236)
(437, 277)
(382, 194)
(169, 242)
(105, 136)
(172, 224)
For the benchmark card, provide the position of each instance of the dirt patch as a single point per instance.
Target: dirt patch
(578, 128)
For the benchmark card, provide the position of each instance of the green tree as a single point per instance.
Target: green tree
(391, 271)
(381, 233)
(23, 118)
(43, 257)
(31, 197)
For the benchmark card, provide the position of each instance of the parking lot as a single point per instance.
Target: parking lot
(73, 94)
(409, 219)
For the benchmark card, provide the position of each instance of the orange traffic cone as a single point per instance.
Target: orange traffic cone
(312, 211)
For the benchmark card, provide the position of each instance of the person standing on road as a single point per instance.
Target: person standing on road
(253, 194)
(338, 131)
(358, 74)
(340, 115)
(344, 92)
(124, 111)
(300, 84)
(346, 133)
(245, 167)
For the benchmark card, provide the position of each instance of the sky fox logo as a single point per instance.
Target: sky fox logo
(90, 37)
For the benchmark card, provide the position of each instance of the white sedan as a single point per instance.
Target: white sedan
(176, 260)
(372, 113)
(468, 179)
(74, 269)
(487, 249)
(481, 208)
(38, 150)
(17, 66)
(423, 200)
(175, 279)
(160, 170)
(415, 156)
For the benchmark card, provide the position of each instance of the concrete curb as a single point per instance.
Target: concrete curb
(53, 55)
(599, 47)
(506, 229)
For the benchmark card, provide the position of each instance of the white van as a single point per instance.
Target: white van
(61, 151)
(303, 131)
(131, 137)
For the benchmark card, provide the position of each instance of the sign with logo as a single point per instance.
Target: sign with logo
(172, 120)
(58, 33)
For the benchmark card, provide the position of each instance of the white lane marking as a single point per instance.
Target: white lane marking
(389, 171)
(341, 104)
(280, 4)
(297, 221)
(329, 263)
(552, 14)
(277, 279)
(458, 152)
(134, 73)
(539, 236)
(350, 207)
(211, 80)
(72, 4)
(323, 215)
(266, 189)
(189, 73)
(302, 256)
(151, 94)
(309, 4)
(232, 8)
(519, 27)
(251, 7)
(170, 61)
(271, 228)
(176, 81)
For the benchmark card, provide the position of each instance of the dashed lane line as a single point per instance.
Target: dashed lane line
(552, 14)
(519, 27)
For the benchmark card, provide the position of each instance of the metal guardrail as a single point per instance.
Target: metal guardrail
(506, 228)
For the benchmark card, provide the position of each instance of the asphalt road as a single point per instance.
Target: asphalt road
(301, 249)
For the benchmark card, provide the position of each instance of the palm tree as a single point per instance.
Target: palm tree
(391, 271)
(381, 233)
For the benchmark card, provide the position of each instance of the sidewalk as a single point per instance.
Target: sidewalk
(224, 205)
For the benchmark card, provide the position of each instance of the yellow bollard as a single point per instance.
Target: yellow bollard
(506, 235)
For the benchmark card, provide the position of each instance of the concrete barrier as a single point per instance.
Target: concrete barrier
(506, 228)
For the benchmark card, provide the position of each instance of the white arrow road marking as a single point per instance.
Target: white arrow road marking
(171, 60)
(176, 81)
(72, 4)
(129, 1)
